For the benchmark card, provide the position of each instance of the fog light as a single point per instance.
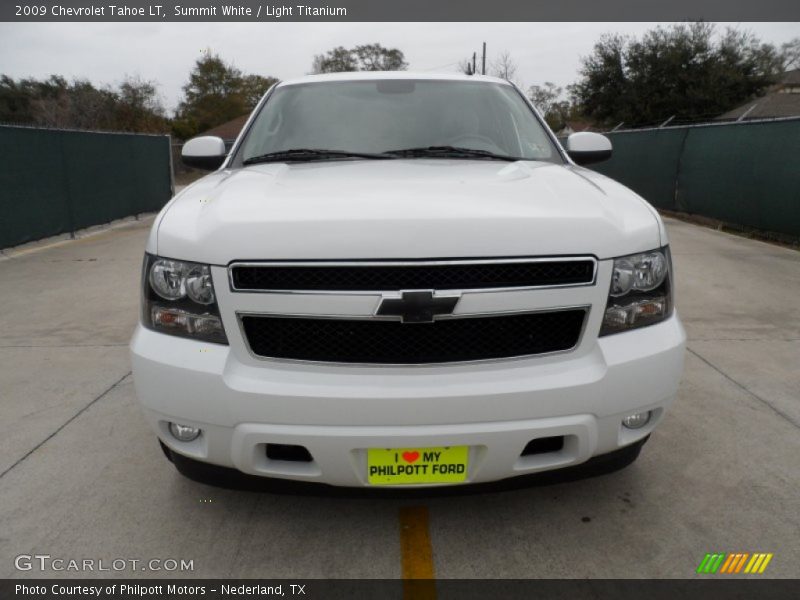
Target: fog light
(184, 433)
(636, 421)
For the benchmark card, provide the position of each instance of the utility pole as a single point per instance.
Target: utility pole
(483, 61)
(474, 55)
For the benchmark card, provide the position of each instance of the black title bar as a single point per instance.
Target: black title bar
(399, 10)
(707, 588)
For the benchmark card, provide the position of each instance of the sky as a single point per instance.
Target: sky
(105, 53)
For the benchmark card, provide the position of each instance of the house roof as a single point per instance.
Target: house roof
(791, 77)
(228, 131)
(769, 106)
(778, 102)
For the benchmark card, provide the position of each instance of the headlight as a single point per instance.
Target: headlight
(640, 293)
(642, 272)
(198, 284)
(167, 278)
(179, 299)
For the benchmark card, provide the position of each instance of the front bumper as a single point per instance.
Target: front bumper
(337, 412)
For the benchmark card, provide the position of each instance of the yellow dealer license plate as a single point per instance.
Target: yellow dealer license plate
(402, 466)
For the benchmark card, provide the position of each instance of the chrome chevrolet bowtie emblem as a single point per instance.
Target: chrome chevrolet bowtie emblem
(418, 306)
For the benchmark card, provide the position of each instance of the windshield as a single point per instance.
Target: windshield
(387, 115)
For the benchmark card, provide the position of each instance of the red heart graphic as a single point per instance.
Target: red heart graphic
(410, 457)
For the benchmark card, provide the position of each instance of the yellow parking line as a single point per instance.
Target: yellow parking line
(416, 554)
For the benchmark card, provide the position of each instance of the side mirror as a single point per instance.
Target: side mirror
(586, 147)
(206, 152)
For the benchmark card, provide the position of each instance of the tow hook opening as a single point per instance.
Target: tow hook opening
(544, 445)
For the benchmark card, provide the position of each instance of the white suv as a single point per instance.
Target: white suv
(404, 280)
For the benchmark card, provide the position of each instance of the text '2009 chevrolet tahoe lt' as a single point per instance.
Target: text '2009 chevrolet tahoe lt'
(404, 280)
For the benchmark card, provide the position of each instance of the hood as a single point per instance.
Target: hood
(422, 208)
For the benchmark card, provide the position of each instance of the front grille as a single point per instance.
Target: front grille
(375, 341)
(431, 276)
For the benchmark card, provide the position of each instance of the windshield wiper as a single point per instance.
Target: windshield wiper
(302, 154)
(449, 152)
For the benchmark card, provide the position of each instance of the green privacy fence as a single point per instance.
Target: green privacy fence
(54, 181)
(746, 174)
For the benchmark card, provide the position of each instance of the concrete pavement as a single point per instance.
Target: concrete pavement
(81, 475)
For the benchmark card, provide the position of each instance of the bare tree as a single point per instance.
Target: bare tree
(545, 96)
(790, 53)
(548, 98)
(465, 67)
(504, 66)
(139, 106)
(78, 105)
